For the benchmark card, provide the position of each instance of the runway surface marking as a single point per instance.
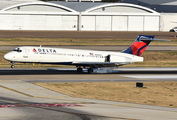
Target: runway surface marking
(44, 106)
(151, 76)
(40, 105)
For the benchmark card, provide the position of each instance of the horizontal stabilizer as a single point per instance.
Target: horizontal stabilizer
(153, 40)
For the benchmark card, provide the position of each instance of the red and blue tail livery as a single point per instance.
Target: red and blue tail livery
(140, 44)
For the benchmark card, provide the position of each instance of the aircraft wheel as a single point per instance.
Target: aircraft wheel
(12, 66)
(90, 70)
(79, 69)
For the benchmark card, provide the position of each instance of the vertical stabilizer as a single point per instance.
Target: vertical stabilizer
(139, 45)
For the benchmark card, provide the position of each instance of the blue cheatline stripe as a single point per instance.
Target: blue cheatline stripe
(58, 63)
(141, 49)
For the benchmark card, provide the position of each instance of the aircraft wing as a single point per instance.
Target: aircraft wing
(99, 64)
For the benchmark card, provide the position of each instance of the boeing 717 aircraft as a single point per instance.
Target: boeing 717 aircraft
(81, 58)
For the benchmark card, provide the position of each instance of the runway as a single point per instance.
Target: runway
(100, 75)
(20, 99)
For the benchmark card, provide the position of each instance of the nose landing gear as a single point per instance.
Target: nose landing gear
(13, 66)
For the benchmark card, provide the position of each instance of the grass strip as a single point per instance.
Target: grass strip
(153, 93)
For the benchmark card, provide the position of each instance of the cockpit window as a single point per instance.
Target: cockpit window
(17, 49)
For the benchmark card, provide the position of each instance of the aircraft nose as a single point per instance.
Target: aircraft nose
(8, 57)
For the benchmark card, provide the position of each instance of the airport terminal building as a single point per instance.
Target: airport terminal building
(77, 16)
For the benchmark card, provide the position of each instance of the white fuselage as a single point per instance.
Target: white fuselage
(29, 54)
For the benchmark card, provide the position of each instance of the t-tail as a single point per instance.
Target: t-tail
(140, 44)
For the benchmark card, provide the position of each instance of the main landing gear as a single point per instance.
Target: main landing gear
(80, 70)
(90, 70)
(13, 66)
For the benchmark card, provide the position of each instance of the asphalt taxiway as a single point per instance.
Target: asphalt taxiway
(20, 99)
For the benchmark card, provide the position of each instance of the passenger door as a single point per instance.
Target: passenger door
(25, 53)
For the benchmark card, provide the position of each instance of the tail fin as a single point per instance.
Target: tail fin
(140, 44)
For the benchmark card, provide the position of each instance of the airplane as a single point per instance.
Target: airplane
(90, 59)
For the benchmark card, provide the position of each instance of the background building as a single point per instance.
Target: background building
(166, 8)
(36, 15)
(84, 16)
(161, 6)
(141, 15)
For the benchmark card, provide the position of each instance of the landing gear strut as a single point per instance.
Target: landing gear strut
(13, 66)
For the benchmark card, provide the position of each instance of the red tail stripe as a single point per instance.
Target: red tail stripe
(136, 46)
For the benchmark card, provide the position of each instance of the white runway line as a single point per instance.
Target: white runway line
(151, 76)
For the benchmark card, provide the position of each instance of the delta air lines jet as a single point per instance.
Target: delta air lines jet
(81, 58)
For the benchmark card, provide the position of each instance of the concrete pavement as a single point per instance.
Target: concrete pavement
(22, 93)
